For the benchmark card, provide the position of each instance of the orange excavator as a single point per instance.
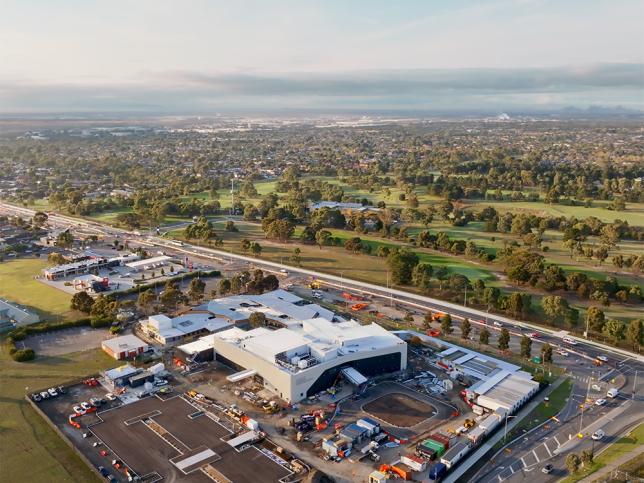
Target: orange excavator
(393, 469)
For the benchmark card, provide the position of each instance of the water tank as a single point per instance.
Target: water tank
(295, 360)
(303, 364)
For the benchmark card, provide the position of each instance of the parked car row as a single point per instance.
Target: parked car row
(51, 392)
(85, 406)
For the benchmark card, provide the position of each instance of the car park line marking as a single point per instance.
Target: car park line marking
(522, 461)
(535, 455)
(547, 449)
(558, 443)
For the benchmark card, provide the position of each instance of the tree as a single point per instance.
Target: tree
(446, 324)
(504, 339)
(401, 264)
(587, 457)
(484, 336)
(82, 301)
(514, 304)
(614, 329)
(65, 239)
(103, 310)
(466, 328)
(296, 257)
(491, 296)
(524, 267)
(256, 249)
(421, 276)
(196, 289)
(595, 319)
(635, 333)
(555, 307)
(427, 321)
(56, 258)
(172, 297)
(279, 229)
(323, 237)
(257, 319)
(245, 245)
(526, 346)
(546, 353)
(145, 300)
(224, 286)
(573, 463)
(40, 218)
(230, 226)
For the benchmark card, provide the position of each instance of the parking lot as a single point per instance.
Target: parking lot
(65, 341)
(152, 435)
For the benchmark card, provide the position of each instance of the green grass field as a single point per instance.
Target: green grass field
(615, 451)
(17, 284)
(30, 450)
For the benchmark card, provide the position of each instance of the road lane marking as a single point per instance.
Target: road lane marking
(558, 443)
(522, 461)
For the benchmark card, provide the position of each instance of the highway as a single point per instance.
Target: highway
(584, 348)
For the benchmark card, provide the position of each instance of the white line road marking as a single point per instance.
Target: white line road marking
(499, 477)
(535, 455)
(558, 443)
(523, 461)
(547, 449)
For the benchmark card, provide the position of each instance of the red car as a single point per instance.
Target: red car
(535, 335)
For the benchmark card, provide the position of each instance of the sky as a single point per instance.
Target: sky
(195, 56)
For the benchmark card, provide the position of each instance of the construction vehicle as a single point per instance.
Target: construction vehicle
(315, 285)
(469, 423)
(437, 316)
(359, 306)
(434, 332)
(271, 407)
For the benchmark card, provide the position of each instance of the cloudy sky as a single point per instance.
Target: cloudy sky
(208, 55)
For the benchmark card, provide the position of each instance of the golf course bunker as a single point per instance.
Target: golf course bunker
(399, 409)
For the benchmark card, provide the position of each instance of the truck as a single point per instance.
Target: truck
(437, 471)
(612, 392)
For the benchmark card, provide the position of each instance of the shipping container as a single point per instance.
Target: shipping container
(441, 438)
(414, 462)
(437, 471)
(455, 454)
(491, 422)
(476, 435)
(403, 470)
(478, 409)
(425, 452)
(435, 445)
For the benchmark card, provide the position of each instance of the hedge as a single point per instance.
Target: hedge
(183, 276)
(24, 355)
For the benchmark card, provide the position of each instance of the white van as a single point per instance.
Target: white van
(570, 341)
(612, 392)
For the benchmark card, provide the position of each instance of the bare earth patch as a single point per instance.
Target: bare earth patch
(399, 409)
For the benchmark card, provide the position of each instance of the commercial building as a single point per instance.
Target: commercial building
(149, 263)
(124, 347)
(86, 265)
(13, 315)
(500, 387)
(304, 355)
(170, 331)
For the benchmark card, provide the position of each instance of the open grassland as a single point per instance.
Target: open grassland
(17, 284)
(30, 450)
(615, 451)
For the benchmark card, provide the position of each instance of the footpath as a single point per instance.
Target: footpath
(498, 436)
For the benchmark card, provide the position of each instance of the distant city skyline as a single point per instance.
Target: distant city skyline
(207, 56)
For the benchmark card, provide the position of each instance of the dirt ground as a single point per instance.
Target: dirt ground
(65, 341)
(399, 409)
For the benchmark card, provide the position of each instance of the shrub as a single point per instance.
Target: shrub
(24, 355)
(98, 322)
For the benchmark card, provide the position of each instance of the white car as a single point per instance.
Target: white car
(497, 324)
(78, 410)
(600, 402)
(563, 353)
(570, 341)
(52, 392)
(596, 387)
(602, 358)
(86, 405)
(599, 434)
